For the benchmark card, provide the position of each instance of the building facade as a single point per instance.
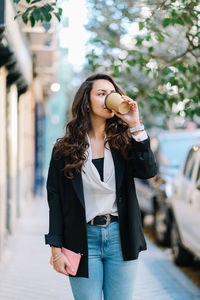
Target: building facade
(24, 91)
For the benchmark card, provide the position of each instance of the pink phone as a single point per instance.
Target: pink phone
(74, 259)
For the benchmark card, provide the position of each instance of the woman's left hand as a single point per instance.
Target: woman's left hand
(132, 118)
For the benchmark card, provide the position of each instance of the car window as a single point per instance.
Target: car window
(188, 159)
(198, 172)
(190, 163)
(172, 151)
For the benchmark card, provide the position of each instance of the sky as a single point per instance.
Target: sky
(75, 36)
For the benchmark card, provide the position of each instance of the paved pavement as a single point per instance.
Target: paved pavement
(25, 272)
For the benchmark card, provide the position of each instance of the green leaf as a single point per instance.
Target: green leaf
(36, 14)
(46, 15)
(29, 9)
(194, 69)
(60, 11)
(18, 14)
(57, 16)
(131, 62)
(166, 22)
(49, 18)
(148, 71)
(133, 52)
(116, 71)
(160, 37)
(174, 13)
(150, 49)
(25, 18)
(178, 21)
(35, 1)
(187, 18)
(48, 7)
(32, 20)
(182, 96)
(193, 85)
(28, 1)
(128, 70)
(142, 60)
(16, 1)
(97, 41)
(148, 37)
(181, 68)
(111, 43)
(139, 41)
(141, 25)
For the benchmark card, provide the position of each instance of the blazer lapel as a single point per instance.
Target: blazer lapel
(78, 187)
(119, 172)
(119, 168)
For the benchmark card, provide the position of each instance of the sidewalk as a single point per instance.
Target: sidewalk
(25, 272)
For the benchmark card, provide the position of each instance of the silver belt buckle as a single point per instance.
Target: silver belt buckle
(108, 219)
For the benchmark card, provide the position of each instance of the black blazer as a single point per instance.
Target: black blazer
(67, 220)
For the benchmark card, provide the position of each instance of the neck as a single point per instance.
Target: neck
(97, 127)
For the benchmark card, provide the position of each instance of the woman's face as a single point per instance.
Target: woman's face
(101, 88)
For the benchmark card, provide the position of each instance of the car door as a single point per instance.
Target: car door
(193, 234)
(185, 204)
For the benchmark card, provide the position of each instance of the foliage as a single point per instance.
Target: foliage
(153, 48)
(38, 12)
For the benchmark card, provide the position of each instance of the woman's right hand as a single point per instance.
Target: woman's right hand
(60, 264)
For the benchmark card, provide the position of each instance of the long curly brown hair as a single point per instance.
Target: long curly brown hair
(73, 145)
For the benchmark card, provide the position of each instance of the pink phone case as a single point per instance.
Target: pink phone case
(74, 259)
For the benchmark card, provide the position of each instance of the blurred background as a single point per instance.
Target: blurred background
(152, 49)
(37, 83)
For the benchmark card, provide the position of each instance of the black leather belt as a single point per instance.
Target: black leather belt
(103, 220)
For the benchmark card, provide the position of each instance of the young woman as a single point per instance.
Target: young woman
(93, 207)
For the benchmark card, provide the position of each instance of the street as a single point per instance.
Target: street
(25, 272)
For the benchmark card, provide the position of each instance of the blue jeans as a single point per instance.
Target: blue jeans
(108, 272)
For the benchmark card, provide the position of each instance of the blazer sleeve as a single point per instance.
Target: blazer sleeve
(143, 163)
(54, 237)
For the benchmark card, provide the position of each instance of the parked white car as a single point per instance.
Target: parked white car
(185, 209)
(170, 149)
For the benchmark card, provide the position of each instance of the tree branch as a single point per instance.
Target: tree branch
(172, 59)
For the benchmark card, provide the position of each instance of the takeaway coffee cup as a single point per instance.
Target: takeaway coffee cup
(115, 101)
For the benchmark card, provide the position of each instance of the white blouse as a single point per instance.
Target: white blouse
(100, 196)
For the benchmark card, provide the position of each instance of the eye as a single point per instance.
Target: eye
(101, 94)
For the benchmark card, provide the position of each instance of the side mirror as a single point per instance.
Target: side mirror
(198, 185)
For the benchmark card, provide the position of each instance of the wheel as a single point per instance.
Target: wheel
(161, 226)
(180, 255)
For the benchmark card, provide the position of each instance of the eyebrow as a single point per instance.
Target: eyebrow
(105, 90)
